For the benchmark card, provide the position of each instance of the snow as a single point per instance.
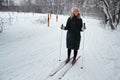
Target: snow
(29, 50)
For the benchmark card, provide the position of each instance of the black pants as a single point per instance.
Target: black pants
(75, 53)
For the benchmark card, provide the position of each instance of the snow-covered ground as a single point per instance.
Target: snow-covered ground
(29, 50)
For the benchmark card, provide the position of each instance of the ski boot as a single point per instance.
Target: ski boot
(67, 60)
(74, 61)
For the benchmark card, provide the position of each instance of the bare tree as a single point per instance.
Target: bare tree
(111, 10)
(1, 25)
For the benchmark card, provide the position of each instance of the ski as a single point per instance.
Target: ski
(56, 70)
(66, 70)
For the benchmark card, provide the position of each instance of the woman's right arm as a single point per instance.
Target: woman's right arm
(67, 25)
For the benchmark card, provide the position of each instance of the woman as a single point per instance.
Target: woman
(73, 27)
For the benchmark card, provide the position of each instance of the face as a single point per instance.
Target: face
(76, 12)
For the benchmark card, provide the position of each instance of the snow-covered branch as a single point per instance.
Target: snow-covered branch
(106, 10)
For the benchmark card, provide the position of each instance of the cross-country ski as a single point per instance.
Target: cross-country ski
(59, 39)
(62, 65)
(62, 74)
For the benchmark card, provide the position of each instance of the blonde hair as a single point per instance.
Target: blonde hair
(72, 12)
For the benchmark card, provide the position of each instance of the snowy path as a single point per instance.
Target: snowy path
(30, 50)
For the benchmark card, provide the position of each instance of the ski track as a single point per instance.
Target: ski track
(29, 50)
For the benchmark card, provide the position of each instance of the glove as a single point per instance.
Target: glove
(84, 27)
(62, 27)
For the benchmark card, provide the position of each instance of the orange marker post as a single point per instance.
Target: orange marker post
(50, 15)
(57, 18)
(48, 20)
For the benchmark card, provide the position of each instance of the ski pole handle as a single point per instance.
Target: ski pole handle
(84, 26)
(62, 27)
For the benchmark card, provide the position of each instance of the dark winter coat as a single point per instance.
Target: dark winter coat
(73, 27)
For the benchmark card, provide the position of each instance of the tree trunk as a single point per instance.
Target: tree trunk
(108, 14)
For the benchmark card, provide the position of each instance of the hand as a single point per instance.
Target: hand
(84, 26)
(62, 27)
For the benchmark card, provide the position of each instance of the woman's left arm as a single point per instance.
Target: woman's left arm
(83, 27)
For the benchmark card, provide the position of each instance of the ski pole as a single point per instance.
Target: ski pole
(83, 45)
(60, 46)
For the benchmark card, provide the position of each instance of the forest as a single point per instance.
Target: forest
(107, 10)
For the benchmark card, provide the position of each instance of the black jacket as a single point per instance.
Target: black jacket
(74, 27)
